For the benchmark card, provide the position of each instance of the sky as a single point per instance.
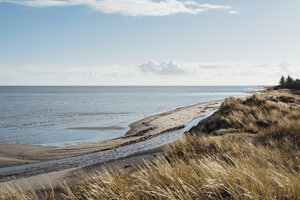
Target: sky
(148, 42)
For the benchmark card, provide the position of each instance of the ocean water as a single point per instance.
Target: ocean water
(41, 115)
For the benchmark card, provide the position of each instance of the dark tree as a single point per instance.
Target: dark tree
(282, 80)
(289, 79)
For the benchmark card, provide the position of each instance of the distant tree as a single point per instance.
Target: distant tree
(289, 79)
(282, 80)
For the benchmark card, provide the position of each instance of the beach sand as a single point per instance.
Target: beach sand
(54, 180)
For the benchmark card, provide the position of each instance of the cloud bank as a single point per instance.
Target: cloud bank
(149, 73)
(128, 7)
(163, 68)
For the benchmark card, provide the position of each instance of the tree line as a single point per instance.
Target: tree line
(288, 79)
(289, 83)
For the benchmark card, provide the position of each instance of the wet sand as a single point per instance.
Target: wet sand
(102, 128)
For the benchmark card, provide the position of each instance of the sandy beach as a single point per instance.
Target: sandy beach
(19, 154)
(40, 167)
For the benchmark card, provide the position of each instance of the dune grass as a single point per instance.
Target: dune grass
(251, 115)
(257, 158)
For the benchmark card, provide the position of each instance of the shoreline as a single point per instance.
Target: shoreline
(142, 130)
(132, 162)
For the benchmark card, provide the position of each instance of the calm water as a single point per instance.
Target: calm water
(41, 115)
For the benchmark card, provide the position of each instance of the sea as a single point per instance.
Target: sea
(43, 115)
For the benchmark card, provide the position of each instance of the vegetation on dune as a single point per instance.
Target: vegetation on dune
(257, 157)
(250, 115)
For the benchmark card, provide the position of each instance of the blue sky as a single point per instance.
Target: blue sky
(148, 42)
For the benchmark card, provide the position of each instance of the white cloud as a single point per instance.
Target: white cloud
(128, 7)
(289, 68)
(212, 6)
(149, 73)
(190, 3)
(233, 12)
(163, 68)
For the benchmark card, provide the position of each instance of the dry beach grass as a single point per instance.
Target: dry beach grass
(249, 149)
